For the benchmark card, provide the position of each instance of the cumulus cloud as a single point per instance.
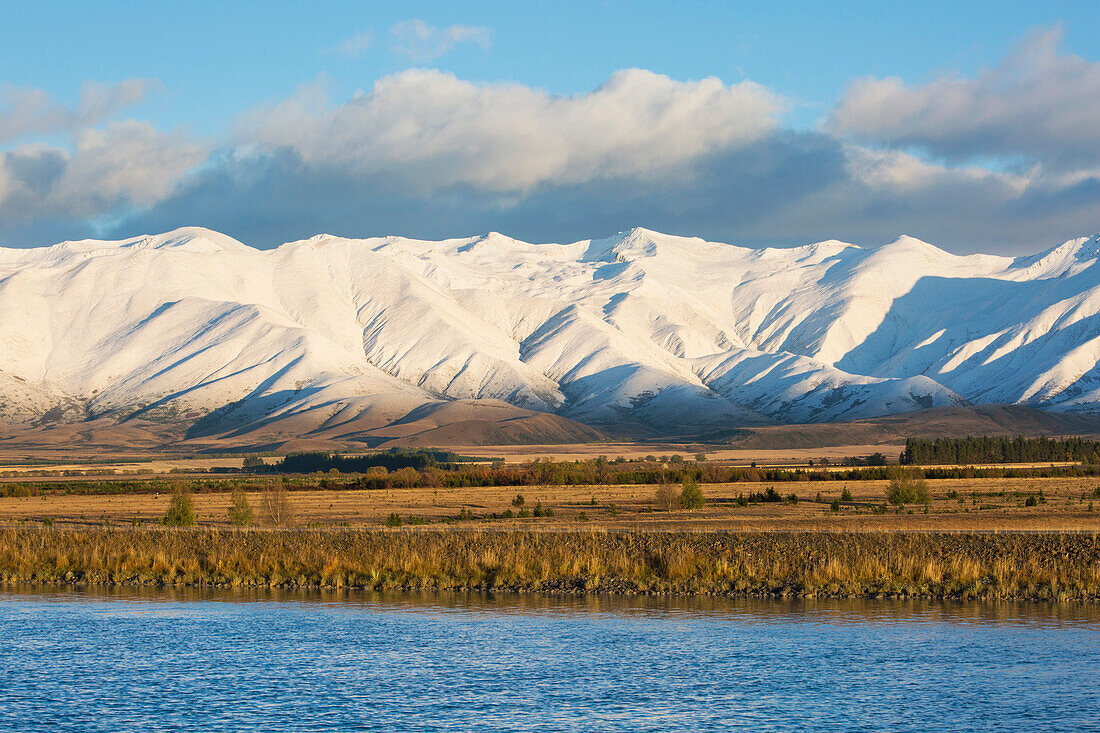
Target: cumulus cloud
(429, 130)
(125, 164)
(421, 42)
(1038, 103)
(30, 111)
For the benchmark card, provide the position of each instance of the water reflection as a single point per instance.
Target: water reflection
(766, 610)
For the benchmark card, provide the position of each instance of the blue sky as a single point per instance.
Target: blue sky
(264, 120)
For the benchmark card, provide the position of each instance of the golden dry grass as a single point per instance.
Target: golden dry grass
(1032, 566)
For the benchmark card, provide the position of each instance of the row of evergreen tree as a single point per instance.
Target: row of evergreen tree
(999, 449)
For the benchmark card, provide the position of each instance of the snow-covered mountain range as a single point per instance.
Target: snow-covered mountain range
(641, 328)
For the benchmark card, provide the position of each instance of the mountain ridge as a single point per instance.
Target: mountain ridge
(666, 334)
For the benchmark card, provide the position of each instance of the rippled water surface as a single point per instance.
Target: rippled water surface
(207, 661)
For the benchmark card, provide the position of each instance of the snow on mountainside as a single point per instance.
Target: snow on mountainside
(639, 328)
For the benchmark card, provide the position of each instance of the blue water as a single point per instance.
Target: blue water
(209, 661)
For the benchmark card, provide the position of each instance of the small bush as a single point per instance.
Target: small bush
(518, 501)
(846, 495)
(240, 511)
(465, 515)
(582, 517)
(1031, 501)
(181, 509)
(542, 512)
(792, 499)
(393, 520)
(276, 505)
(835, 506)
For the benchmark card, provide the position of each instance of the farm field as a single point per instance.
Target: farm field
(957, 505)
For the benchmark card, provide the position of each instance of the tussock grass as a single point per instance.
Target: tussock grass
(1018, 566)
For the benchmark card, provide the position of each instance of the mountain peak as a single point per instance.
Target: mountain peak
(192, 239)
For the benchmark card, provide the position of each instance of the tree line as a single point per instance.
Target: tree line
(999, 449)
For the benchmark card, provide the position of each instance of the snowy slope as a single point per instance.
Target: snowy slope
(642, 328)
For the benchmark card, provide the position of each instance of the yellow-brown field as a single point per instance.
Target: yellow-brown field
(974, 505)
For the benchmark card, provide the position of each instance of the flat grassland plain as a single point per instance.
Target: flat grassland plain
(1024, 538)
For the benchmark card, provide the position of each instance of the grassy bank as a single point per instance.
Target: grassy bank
(1019, 566)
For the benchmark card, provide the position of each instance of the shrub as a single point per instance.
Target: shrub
(907, 486)
(541, 512)
(181, 509)
(518, 501)
(393, 520)
(1031, 501)
(582, 517)
(691, 496)
(835, 506)
(240, 511)
(846, 495)
(666, 498)
(276, 505)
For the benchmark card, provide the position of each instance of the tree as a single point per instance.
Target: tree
(240, 511)
(667, 497)
(691, 496)
(181, 509)
(907, 486)
(276, 505)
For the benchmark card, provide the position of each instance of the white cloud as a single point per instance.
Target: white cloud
(421, 42)
(906, 173)
(28, 111)
(126, 164)
(354, 46)
(431, 130)
(1037, 103)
